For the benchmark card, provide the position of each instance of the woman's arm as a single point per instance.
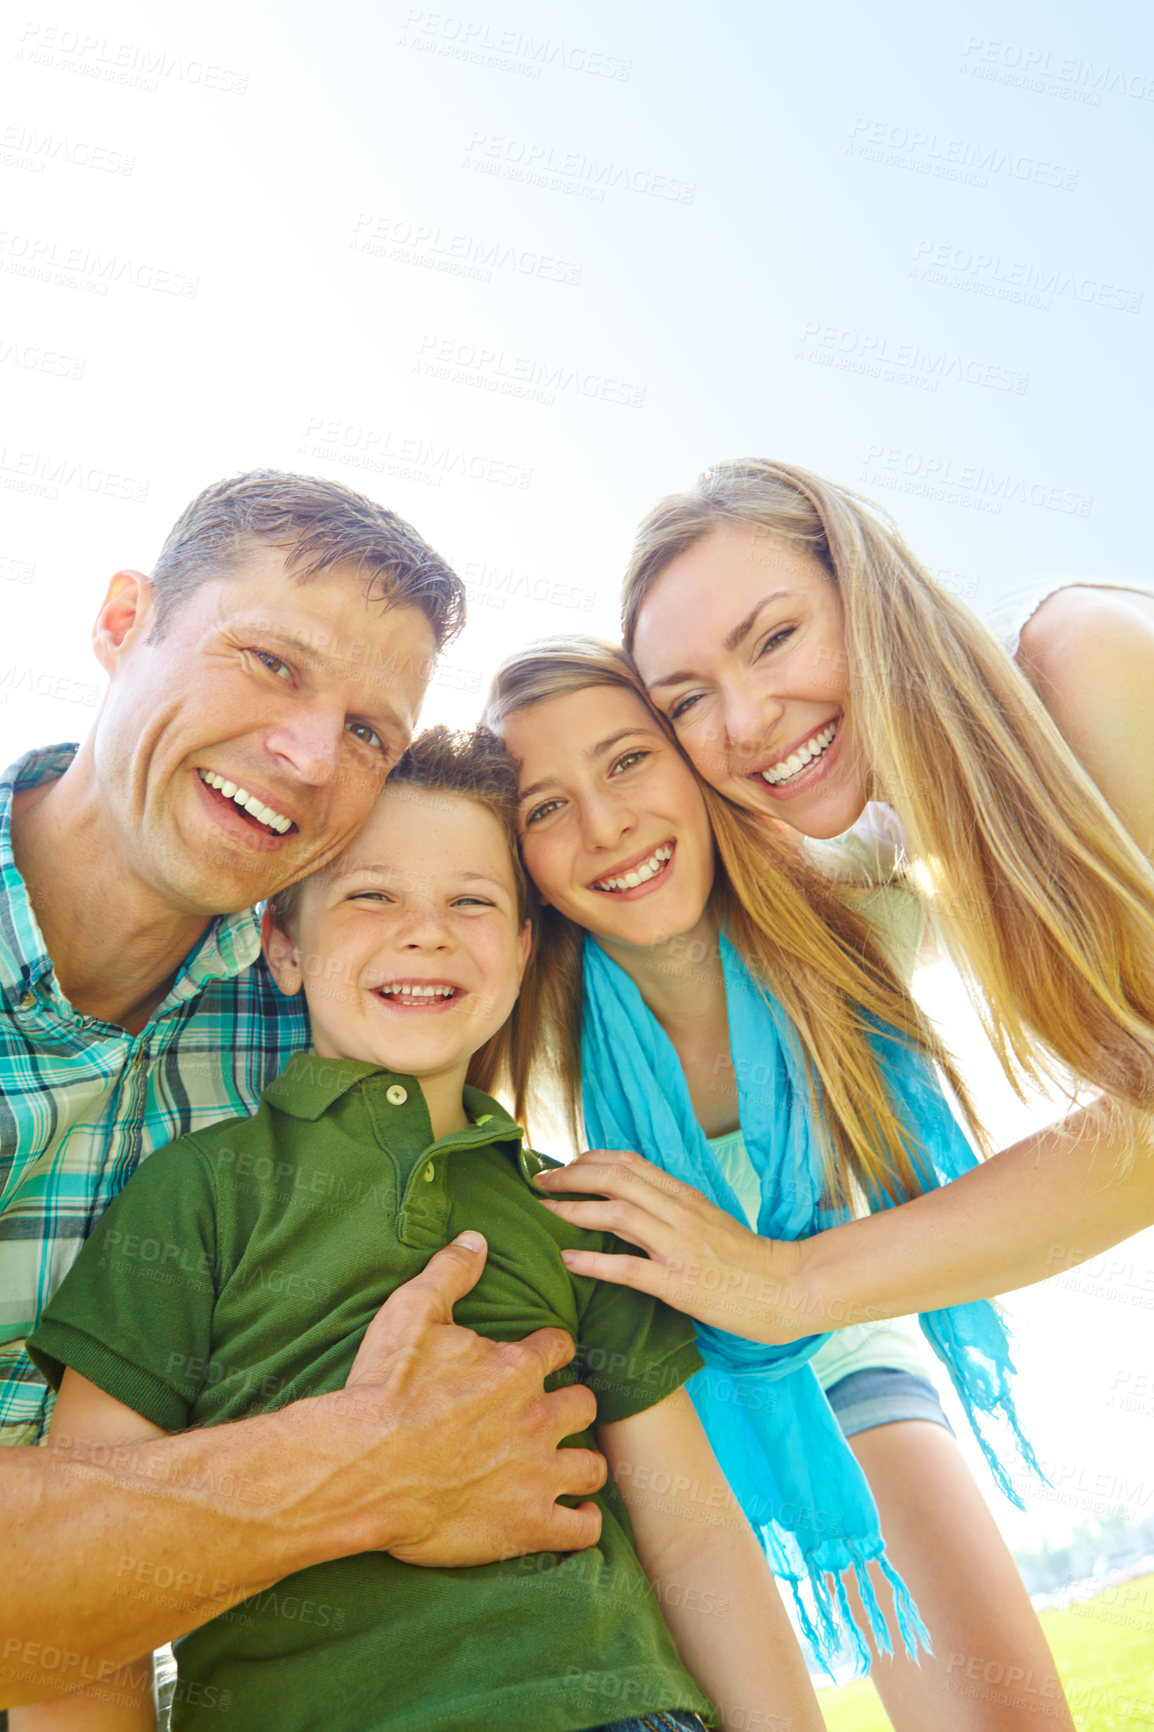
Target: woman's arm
(1032, 1211)
(124, 1700)
(1089, 653)
(716, 1591)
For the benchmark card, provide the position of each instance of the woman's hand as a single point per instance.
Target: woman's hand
(698, 1258)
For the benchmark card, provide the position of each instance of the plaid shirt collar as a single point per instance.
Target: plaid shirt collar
(228, 945)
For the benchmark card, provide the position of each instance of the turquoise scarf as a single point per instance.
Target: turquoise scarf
(768, 1421)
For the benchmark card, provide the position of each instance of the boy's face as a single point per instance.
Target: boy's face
(408, 944)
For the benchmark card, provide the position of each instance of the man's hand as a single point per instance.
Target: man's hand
(474, 1463)
(443, 1449)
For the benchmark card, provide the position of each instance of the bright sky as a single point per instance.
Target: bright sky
(517, 270)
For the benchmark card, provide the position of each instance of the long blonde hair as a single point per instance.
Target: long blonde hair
(804, 941)
(1045, 900)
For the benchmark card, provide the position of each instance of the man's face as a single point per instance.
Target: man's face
(300, 696)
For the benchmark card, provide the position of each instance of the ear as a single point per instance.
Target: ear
(281, 951)
(127, 605)
(524, 948)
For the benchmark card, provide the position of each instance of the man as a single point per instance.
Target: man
(262, 683)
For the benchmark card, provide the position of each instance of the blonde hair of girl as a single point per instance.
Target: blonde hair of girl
(1045, 900)
(801, 937)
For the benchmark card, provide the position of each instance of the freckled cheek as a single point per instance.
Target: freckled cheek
(554, 873)
(706, 751)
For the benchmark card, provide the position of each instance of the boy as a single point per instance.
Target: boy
(241, 1266)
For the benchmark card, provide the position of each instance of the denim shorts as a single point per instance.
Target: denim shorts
(882, 1395)
(669, 1720)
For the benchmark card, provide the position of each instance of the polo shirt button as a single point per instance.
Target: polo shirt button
(428, 1175)
(396, 1095)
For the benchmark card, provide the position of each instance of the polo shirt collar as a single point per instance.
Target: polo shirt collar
(230, 944)
(309, 1085)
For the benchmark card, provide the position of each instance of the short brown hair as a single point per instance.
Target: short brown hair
(473, 764)
(320, 524)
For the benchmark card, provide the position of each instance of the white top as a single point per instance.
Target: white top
(896, 1342)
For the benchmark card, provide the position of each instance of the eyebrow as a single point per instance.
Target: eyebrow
(602, 746)
(378, 869)
(731, 640)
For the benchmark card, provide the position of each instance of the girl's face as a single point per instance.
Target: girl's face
(613, 826)
(741, 643)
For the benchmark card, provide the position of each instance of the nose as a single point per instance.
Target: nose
(309, 740)
(422, 926)
(605, 818)
(748, 715)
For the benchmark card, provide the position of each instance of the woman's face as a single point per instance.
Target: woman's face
(613, 826)
(741, 643)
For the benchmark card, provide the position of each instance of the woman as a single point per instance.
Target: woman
(671, 1038)
(809, 665)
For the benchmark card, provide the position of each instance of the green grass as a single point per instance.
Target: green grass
(1105, 1653)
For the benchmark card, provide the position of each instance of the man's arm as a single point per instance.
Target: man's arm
(126, 1700)
(710, 1575)
(442, 1449)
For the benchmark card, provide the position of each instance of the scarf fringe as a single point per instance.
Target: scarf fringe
(982, 1383)
(821, 1605)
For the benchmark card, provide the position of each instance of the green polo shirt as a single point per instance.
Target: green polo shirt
(239, 1269)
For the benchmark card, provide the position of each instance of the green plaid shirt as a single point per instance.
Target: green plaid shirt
(82, 1101)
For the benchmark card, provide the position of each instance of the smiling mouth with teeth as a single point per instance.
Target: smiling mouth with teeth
(799, 760)
(247, 802)
(648, 869)
(418, 994)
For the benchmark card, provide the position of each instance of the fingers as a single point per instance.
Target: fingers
(551, 1348)
(571, 1530)
(636, 1272)
(622, 1174)
(568, 1412)
(447, 1276)
(581, 1471)
(427, 1299)
(627, 1220)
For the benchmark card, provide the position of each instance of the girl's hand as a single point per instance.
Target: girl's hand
(697, 1258)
